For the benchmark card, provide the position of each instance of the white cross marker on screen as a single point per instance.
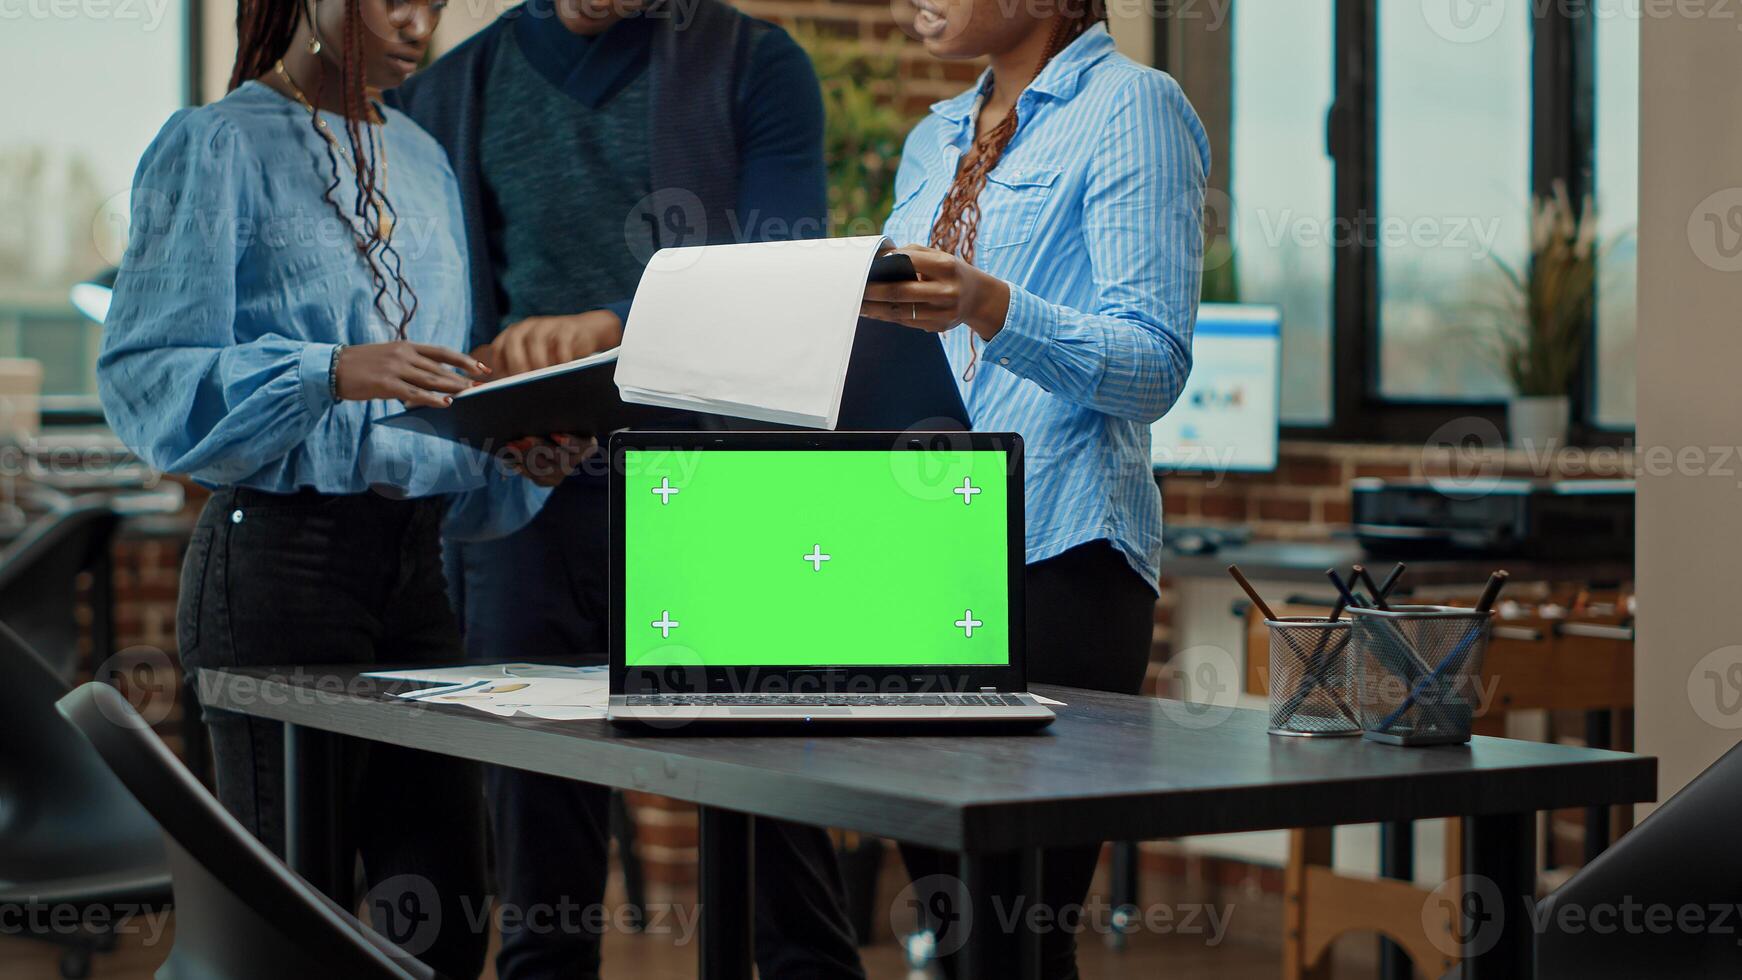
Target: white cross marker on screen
(665, 490)
(816, 558)
(967, 624)
(665, 624)
(967, 490)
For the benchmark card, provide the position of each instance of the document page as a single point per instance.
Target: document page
(761, 330)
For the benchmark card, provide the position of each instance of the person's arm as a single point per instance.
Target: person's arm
(1143, 228)
(783, 182)
(175, 384)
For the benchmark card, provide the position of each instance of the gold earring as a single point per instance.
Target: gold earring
(314, 45)
(314, 42)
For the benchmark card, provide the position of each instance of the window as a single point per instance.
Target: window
(1282, 89)
(1617, 196)
(96, 82)
(1380, 160)
(1454, 193)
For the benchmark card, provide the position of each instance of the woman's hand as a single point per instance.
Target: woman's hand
(547, 462)
(416, 374)
(540, 341)
(949, 291)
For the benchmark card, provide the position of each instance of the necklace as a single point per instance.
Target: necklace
(377, 148)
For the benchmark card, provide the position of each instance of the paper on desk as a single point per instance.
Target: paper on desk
(761, 330)
(555, 698)
(489, 672)
(1050, 701)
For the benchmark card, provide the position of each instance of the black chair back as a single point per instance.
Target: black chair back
(239, 911)
(63, 814)
(1665, 901)
(38, 582)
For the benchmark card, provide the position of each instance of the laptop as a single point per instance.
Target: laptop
(818, 579)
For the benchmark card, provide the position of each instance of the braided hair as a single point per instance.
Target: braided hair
(958, 222)
(264, 31)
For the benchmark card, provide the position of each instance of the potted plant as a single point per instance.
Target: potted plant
(1544, 316)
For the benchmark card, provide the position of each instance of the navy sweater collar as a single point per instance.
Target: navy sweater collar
(587, 69)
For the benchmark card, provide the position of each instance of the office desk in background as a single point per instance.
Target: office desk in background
(1113, 767)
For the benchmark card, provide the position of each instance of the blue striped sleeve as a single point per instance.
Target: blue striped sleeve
(1142, 225)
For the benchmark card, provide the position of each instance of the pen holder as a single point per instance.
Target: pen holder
(1416, 670)
(1309, 678)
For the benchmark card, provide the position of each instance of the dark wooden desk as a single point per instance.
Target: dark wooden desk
(1112, 768)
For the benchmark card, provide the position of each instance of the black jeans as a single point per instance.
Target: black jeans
(311, 579)
(542, 592)
(1091, 619)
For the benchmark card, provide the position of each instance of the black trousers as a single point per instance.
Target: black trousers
(542, 593)
(308, 578)
(1091, 619)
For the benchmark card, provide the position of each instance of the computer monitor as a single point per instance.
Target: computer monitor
(1227, 416)
(798, 551)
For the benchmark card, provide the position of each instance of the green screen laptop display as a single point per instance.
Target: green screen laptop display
(815, 558)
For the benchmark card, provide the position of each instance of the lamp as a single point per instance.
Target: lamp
(92, 296)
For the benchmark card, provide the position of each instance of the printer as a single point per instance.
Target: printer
(1548, 520)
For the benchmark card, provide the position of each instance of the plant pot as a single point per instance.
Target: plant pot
(1537, 422)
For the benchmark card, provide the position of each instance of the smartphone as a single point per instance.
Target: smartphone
(892, 267)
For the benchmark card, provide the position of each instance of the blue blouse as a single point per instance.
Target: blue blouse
(1094, 217)
(238, 282)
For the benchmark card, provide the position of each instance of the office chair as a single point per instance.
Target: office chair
(240, 913)
(1682, 857)
(38, 582)
(70, 834)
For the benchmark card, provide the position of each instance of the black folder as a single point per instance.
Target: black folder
(897, 379)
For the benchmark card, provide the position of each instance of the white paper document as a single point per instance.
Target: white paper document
(506, 690)
(760, 331)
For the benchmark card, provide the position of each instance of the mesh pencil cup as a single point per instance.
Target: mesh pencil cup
(1416, 670)
(1309, 678)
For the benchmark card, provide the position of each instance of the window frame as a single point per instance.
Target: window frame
(1563, 148)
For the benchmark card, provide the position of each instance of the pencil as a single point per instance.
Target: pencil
(1251, 593)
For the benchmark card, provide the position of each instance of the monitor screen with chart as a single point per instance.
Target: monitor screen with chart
(1227, 416)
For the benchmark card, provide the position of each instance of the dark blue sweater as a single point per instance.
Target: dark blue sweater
(734, 126)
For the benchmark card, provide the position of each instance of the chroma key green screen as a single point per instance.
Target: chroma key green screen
(815, 558)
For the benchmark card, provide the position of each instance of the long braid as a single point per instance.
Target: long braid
(264, 31)
(958, 222)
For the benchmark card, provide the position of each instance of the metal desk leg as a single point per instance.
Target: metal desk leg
(974, 959)
(1500, 861)
(1033, 893)
(1396, 860)
(978, 957)
(727, 890)
(1124, 869)
(313, 775)
(1597, 736)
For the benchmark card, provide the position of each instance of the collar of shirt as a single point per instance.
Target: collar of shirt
(587, 69)
(1060, 79)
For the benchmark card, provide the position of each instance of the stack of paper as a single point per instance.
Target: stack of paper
(505, 690)
(761, 331)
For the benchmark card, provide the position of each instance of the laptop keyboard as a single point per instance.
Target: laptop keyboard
(825, 700)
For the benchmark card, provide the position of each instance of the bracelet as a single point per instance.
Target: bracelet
(333, 372)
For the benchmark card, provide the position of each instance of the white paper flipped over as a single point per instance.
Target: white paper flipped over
(505, 690)
(761, 330)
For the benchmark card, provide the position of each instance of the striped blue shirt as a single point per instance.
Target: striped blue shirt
(1094, 217)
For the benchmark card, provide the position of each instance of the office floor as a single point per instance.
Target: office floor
(648, 958)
